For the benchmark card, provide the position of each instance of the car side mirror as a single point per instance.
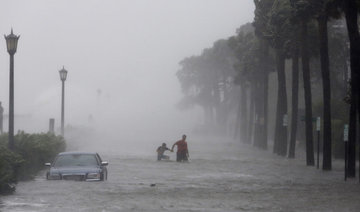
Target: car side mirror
(47, 164)
(104, 163)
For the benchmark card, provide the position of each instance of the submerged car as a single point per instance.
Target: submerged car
(79, 166)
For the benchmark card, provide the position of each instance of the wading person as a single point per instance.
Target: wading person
(182, 153)
(160, 152)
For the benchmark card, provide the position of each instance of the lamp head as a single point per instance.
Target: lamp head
(63, 74)
(11, 42)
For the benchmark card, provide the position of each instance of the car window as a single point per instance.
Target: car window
(98, 156)
(76, 160)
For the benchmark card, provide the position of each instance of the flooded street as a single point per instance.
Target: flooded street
(222, 176)
(121, 77)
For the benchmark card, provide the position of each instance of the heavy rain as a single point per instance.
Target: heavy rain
(192, 105)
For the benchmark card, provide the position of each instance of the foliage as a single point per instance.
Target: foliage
(30, 153)
(280, 31)
(37, 149)
(9, 164)
(261, 18)
(303, 9)
(247, 50)
(207, 81)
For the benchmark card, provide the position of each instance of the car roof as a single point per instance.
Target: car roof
(77, 153)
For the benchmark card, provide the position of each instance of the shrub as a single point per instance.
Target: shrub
(36, 149)
(9, 164)
(31, 151)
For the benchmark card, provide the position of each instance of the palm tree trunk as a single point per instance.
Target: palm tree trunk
(259, 127)
(325, 71)
(283, 106)
(266, 102)
(351, 15)
(281, 129)
(238, 119)
(351, 165)
(294, 102)
(264, 144)
(307, 93)
(251, 119)
(278, 122)
(244, 117)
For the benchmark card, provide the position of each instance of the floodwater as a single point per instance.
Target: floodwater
(222, 176)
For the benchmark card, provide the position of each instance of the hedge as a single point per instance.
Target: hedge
(30, 153)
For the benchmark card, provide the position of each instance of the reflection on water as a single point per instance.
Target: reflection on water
(220, 177)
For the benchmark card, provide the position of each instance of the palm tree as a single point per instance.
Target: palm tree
(280, 35)
(322, 19)
(302, 13)
(351, 15)
(262, 10)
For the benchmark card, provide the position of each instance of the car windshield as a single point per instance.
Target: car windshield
(76, 160)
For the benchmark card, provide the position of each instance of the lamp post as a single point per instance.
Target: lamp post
(11, 44)
(63, 74)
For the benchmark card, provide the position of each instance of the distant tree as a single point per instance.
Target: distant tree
(326, 9)
(280, 35)
(262, 12)
(207, 81)
(302, 13)
(245, 46)
(295, 57)
(237, 43)
(195, 79)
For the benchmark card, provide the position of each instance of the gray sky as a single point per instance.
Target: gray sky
(127, 49)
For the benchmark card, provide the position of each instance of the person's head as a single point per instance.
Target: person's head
(184, 137)
(163, 144)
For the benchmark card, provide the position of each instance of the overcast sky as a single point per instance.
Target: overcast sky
(121, 57)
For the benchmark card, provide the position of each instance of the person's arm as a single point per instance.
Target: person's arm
(172, 148)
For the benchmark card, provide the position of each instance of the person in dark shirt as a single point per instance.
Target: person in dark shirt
(182, 153)
(160, 150)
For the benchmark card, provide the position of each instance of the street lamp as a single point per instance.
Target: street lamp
(11, 44)
(63, 74)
